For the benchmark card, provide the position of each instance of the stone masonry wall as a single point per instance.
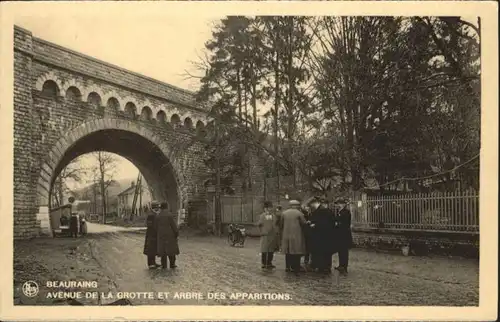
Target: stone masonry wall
(41, 120)
(25, 207)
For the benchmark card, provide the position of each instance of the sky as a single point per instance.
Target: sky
(161, 47)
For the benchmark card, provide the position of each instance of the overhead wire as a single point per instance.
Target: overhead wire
(432, 175)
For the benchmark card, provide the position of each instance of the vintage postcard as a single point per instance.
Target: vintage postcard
(249, 160)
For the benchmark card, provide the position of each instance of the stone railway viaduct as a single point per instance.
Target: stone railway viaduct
(67, 104)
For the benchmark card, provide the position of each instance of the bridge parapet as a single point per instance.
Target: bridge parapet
(106, 96)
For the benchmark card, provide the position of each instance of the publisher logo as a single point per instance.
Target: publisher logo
(30, 289)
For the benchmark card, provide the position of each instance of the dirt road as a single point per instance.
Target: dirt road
(208, 264)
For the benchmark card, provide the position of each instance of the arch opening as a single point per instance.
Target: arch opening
(146, 114)
(200, 128)
(108, 183)
(94, 99)
(175, 120)
(161, 117)
(50, 89)
(130, 110)
(157, 170)
(188, 123)
(113, 104)
(73, 94)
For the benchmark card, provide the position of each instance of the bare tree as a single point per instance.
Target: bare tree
(103, 172)
(73, 172)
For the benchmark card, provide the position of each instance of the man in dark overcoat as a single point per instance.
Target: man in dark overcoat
(73, 225)
(344, 234)
(279, 218)
(150, 243)
(306, 210)
(168, 233)
(322, 223)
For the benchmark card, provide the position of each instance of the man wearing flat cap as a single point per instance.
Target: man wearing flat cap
(322, 222)
(293, 243)
(344, 234)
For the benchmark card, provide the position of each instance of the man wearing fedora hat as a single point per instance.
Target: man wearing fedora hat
(293, 242)
(269, 240)
(344, 233)
(168, 234)
(322, 222)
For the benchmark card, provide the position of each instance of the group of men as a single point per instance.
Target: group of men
(314, 231)
(162, 236)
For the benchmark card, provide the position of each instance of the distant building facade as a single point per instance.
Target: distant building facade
(126, 200)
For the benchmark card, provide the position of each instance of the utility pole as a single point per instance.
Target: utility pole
(140, 198)
(106, 203)
(94, 190)
(138, 184)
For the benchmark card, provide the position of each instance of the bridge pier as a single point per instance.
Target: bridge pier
(43, 217)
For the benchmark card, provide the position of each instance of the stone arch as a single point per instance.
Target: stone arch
(147, 103)
(111, 94)
(50, 76)
(94, 99)
(73, 93)
(175, 119)
(86, 91)
(63, 151)
(130, 110)
(126, 100)
(113, 103)
(73, 83)
(146, 114)
(200, 127)
(50, 88)
(161, 117)
(188, 123)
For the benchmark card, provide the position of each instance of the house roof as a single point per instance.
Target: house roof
(127, 191)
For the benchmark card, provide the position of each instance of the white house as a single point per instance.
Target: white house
(126, 199)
